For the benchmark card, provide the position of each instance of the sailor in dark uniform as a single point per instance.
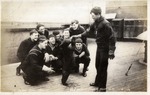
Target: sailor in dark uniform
(33, 63)
(67, 57)
(42, 31)
(24, 48)
(55, 54)
(81, 55)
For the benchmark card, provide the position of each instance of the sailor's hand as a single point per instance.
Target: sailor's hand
(46, 57)
(111, 56)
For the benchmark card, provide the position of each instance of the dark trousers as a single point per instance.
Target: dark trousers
(67, 67)
(85, 60)
(34, 76)
(65, 75)
(101, 67)
(57, 65)
(19, 67)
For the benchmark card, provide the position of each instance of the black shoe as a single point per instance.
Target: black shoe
(84, 74)
(27, 83)
(97, 90)
(100, 90)
(25, 80)
(93, 84)
(65, 84)
(45, 79)
(103, 89)
(18, 71)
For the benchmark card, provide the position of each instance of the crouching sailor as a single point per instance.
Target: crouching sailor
(34, 63)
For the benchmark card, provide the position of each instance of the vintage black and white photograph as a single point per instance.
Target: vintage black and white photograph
(74, 46)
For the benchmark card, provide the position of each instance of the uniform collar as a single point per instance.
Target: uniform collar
(36, 48)
(52, 46)
(31, 40)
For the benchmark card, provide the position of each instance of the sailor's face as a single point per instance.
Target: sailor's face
(41, 29)
(52, 40)
(74, 26)
(44, 44)
(66, 34)
(78, 46)
(34, 36)
(95, 17)
(58, 36)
